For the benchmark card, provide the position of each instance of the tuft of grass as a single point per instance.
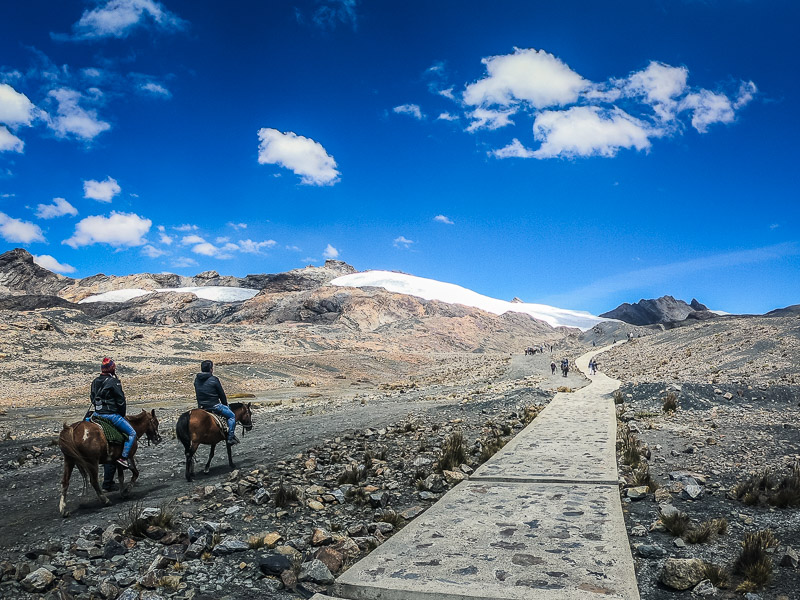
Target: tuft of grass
(302, 383)
(631, 455)
(530, 413)
(390, 516)
(618, 397)
(491, 447)
(641, 476)
(717, 575)
(358, 495)
(753, 562)
(565, 389)
(453, 451)
(166, 516)
(700, 534)
(285, 495)
(670, 403)
(130, 522)
(368, 460)
(676, 523)
(349, 475)
(769, 488)
(256, 541)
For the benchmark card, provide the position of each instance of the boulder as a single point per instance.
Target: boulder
(230, 545)
(682, 573)
(704, 589)
(274, 564)
(316, 572)
(38, 581)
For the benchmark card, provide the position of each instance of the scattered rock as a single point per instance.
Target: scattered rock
(682, 573)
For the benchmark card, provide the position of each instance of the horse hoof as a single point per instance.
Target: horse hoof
(205, 471)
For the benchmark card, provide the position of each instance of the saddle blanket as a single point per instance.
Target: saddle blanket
(113, 435)
(222, 422)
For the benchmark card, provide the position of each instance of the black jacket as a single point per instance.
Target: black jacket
(209, 391)
(107, 395)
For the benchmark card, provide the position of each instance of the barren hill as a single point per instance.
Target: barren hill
(660, 310)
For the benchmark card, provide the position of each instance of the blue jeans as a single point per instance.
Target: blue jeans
(121, 423)
(226, 412)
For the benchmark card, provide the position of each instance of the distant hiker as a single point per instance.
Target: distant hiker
(108, 401)
(564, 367)
(211, 397)
(594, 366)
(553, 368)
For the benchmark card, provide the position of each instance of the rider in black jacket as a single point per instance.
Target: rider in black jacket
(211, 396)
(109, 402)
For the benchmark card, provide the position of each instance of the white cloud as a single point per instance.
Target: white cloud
(192, 239)
(534, 77)
(58, 208)
(186, 227)
(117, 230)
(209, 249)
(443, 219)
(222, 240)
(15, 230)
(589, 131)
(330, 252)
(251, 247)
(402, 241)
(15, 108)
(747, 89)
(183, 262)
(117, 18)
(50, 263)
(409, 109)
(514, 150)
(483, 118)
(102, 191)
(73, 119)
(331, 13)
(237, 226)
(293, 248)
(9, 142)
(302, 155)
(152, 252)
(708, 108)
(659, 85)
(155, 89)
(165, 239)
(446, 116)
(448, 93)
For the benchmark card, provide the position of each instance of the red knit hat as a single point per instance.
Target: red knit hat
(108, 366)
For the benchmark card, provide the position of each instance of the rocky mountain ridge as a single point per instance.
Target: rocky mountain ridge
(659, 310)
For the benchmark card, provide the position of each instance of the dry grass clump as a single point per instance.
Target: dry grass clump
(670, 403)
(130, 522)
(618, 397)
(256, 541)
(629, 448)
(357, 495)
(354, 473)
(285, 494)
(717, 575)
(530, 413)
(641, 476)
(565, 389)
(165, 517)
(753, 562)
(676, 523)
(769, 488)
(453, 451)
(491, 447)
(706, 531)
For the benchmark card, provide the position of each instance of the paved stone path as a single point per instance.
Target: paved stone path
(541, 519)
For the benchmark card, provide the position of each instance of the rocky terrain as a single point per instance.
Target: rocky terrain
(360, 397)
(710, 470)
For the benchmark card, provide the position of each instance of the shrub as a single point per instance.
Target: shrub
(676, 523)
(641, 476)
(453, 451)
(166, 516)
(491, 447)
(130, 522)
(529, 414)
(717, 575)
(700, 534)
(284, 495)
(769, 488)
(753, 562)
(618, 397)
(631, 455)
(670, 403)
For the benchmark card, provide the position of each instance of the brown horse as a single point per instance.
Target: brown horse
(197, 426)
(84, 446)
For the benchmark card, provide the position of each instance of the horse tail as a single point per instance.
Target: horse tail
(182, 430)
(70, 450)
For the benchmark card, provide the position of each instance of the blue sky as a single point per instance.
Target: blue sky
(570, 153)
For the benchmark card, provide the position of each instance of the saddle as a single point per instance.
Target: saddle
(112, 434)
(222, 422)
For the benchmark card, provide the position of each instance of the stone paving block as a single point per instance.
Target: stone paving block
(509, 541)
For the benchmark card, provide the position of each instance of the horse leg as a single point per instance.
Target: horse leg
(210, 456)
(230, 458)
(124, 490)
(96, 486)
(62, 503)
(190, 460)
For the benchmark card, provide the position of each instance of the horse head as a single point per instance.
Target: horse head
(244, 415)
(151, 430)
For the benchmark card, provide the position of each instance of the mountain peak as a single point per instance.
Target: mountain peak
(659, 310)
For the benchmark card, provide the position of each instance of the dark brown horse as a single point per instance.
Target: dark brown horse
(84, 446)
(197, 426)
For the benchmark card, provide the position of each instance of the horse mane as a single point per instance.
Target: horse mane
(137, 417)
(235, 405)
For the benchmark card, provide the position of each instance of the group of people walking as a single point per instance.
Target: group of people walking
(108, 402)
